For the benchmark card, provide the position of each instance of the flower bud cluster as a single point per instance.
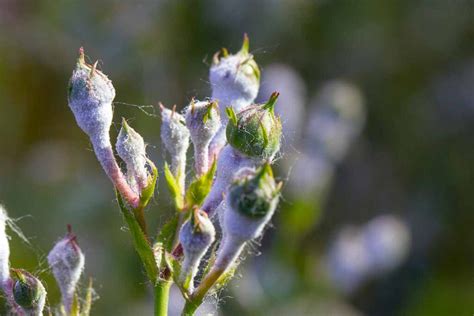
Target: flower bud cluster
(254, 137)
(244, 189)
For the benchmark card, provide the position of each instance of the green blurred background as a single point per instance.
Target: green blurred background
(412, 60)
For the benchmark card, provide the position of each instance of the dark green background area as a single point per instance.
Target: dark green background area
(413, 60)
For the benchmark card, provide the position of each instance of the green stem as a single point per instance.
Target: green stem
(196, 299)
(140, 217)
(162, 292)
(190, 308)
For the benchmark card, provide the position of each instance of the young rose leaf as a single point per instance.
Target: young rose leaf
(167, 233)
(86, 307)
(224, 279)
(199, 189)
(147, 192)
(74, 306)
(173, 186)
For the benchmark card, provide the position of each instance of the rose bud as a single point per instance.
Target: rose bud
(250, 203)
(196, 235)
(255, 131)
(90, 97)
(66, 260)
(175, 138)
(235, 80)
(203, 121)
(131, 149)
(28, 292)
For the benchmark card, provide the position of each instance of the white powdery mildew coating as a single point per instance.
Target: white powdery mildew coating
(67, 263)
(237, 230)
(203, 121)
(4, 249)
(132, 150)
(244, 228)
(90, 99)
(195, 244)
(202, 130)
(175, 138)
(233, 84)
(230, 162)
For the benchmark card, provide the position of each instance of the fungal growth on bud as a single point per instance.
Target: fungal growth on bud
(235, 80)
(203, 121)
(196, 235)
(229, 163)
(251, 202)
(249, 206)
(255, 131)
(254, 136)
(90, 96)
(4, 250)
(131, 149)
(66, 260)
(175, 138)
(28, 292)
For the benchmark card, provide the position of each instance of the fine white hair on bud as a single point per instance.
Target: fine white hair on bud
(235, 80)
(229, 163)
(90, 96)
(4, 250)
(175, 138)
(131, 148)
(66, 260)
(255, 131)
(203, 121)
(28, 293)
(250, 204)
(196, 236)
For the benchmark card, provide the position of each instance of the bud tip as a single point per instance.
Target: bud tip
(245, 45)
